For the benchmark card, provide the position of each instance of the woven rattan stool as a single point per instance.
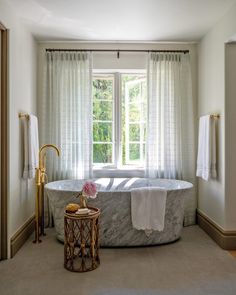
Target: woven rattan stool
(81, 247)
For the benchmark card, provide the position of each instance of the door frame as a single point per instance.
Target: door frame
(4, 141)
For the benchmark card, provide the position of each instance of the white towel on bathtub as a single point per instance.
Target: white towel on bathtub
(148, 207)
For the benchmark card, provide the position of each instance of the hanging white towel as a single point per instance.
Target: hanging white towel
(206, 159)
(31, 146)
(148, 206)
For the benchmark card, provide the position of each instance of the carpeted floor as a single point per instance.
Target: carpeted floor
(194, 265)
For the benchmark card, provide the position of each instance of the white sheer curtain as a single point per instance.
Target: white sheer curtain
(67, 113)
(170, 129)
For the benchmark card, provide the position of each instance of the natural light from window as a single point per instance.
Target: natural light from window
(119, 120)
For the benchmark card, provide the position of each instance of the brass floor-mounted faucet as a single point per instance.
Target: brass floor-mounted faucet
(40, 178)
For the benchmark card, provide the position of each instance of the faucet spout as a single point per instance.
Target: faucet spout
(42, 154)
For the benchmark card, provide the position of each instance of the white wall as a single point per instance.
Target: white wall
(22, 97)
(213, 198)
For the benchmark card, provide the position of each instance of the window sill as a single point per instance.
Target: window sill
(122, 172)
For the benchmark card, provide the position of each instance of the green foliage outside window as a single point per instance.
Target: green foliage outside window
(102, 111)
(103, 102)
(137, 92)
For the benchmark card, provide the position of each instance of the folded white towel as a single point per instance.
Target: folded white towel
(148, 206)
(206, 159)
(31, 146)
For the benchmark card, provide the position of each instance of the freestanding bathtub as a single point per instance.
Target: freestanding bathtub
(114, 200)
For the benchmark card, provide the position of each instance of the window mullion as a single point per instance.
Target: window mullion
(141, 124)
(127, 125)
(117, 120)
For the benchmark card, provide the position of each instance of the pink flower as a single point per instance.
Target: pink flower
(90, 189)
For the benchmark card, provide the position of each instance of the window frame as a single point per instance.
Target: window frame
(128, 123)
(116, 168)
(113, 142)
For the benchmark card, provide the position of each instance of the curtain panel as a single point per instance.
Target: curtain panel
(67, 112)
(170, 151)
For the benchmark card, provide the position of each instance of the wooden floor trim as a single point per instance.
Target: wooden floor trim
(20, 237)
(233, 253)
(4, 142)
(225, 239)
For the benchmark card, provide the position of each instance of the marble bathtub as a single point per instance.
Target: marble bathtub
(114, 200)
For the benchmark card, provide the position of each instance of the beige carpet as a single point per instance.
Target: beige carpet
(195, 265)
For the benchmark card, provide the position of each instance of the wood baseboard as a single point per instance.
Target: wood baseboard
(20, 237)
(225, 239)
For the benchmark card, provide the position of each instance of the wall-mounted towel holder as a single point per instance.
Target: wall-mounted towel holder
(23, 115)
(215, 116)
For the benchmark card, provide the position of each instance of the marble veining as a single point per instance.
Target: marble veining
(114, 200)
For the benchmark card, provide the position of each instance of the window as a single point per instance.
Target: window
(134, 108)
(119, 120)
(103, 119)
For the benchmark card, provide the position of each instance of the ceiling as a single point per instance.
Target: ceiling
(121, 20)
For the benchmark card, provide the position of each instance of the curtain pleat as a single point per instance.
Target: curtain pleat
(67, 112)
(170, 129)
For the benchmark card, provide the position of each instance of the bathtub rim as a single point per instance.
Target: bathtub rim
(48, 185)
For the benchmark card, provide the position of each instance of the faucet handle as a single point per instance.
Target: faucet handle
(45, 178)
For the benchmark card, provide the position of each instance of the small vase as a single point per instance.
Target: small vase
(83, 201)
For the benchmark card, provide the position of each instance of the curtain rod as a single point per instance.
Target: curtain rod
(116, 50)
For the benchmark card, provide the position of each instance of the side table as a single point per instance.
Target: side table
(81, 246)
